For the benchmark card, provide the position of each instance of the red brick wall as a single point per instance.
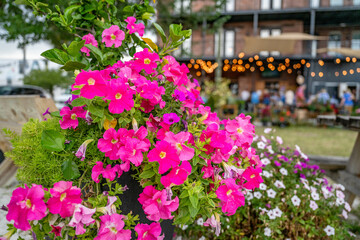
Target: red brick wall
(295, 4)
(247, 5)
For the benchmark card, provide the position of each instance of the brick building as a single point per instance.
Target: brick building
(337, 21)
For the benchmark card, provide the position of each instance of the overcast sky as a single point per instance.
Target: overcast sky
(9, 50)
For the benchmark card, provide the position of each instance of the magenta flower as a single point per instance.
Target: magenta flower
(241, 131)
(165, 155)
(120, 96)
(253, 178)
(230, 196)
(82, 216)
(112, 228)
(26, 204)
(145, 60)
(155, 204)
(64, 198)
(109, 172)
(171, 118)
(110, 143)
(208, 170)
(177, 175)
(80, 153)
(89, 39)
(91, 84)
(133, 27)
(185, 153)
(113, 36)
(57, 230)
(133, 151)
(149, 232)
(70, 117)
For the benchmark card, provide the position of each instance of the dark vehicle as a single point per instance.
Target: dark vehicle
(23, 90)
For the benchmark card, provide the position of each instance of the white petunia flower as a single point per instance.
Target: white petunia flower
(313, 205)
(262, 186)
(257, 195)
(279, 140)
(329, 230)
(279, 184)
(265, 161)
(261, 145)
(296, 200)
(345, 214)
(283, 171)
(263, 139)
(315, 196)
(271, 193)
(347, 207)
(340, 186)
(200, 222)
(266, 174)
(271, 151)
(267, 232)
(202, 238)
(271, 214)
(249, 196)
(340, 201)
(267, 130)
(312, 189)
(340, 194)
(277, 212)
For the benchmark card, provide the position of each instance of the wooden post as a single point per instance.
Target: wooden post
(353, 167)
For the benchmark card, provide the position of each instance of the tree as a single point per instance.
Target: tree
(48, 79)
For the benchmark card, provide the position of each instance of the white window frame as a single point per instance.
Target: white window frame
(229, 43)
(334, 44)
(356, 2)
(271, 4)
(230, 6)
(336, 3)
(216, 44)
(315, 3)
(355, 42)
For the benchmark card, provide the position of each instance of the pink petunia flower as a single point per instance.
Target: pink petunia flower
(89, 39)
(80, 153)
(208, 170)
(64, 199)
(149, 232)
(177, 175)
(57, 230)
(120, 96)
(70, 117)
(146, 60)
(253, 178)
(133, 27)
(112, 227)
(178, 140)
(156, 205)
(165, 155)
(113, 36)
(91, 84)
(109, 172)
(214, 222)
(171, 118)
(82, 216)
(110, 143)
(230, 196)
(133, 151)
(26, 204)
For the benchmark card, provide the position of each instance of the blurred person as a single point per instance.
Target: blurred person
(255, 100)
(245, 95)
(289, 97)
(300, 96)
(266, 98)
(347, 101)
(323, 96)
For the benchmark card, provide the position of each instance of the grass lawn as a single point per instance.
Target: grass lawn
(316, 140)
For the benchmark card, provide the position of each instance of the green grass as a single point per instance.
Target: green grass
(316, 140)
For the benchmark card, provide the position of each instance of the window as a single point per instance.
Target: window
(229, 43)
(184, 49)
(230, 6)
(334, 42)
(270, 4)
(355, 41)
(182, 6)
(315, 3)
(356, 2)
(267, 32)
(217, 44)
(335, 3)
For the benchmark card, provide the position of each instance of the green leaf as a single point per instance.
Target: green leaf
(56, 55)
(193, 211)
(52, 140)
(69, 10)
(21, 2)
(70, 170)
(72, 66)
(96, 110)
(55, 114)
(78, 102)
(194, 200)
(160, 31)
(96, 51)
(75, 47)
(184, 194)
(76, 92)
(147, 174)
(175, 32)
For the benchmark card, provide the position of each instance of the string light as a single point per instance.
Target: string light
(303, 61)
(344, 72)
(308, 65)
(338, 61)
(251, 59)
(351, 71)
(313, 74)
(256, 57)
(321, 62)
(198, 73)
(337, 74)
(189, 65)
(347, 59)
(289, 71)
(354, 60)
(321, 74)
(241, 55)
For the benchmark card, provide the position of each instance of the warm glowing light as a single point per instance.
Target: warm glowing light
(251, 59)
(247, 66)
(354, 60)
(344, 72)
(347, 59)
(198, 73)
(303, 61)
(337, 74)
(313, 74)
(226, 61)
(308, 65)
(196, 66)
(338, 61)
(256, 57)
(289, 71)
(241, 55)
(240, 61)
(321, 74)
(351, 71)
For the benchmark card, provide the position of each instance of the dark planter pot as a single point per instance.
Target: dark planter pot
(130, 203)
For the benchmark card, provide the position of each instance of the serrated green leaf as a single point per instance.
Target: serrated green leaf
(193, 211)
(96, 110)
(194, 200)
(72, 66)
(75, 47)
(52, 140)
(160, 31)
(56, 55)
(78, 102)
(70, 170)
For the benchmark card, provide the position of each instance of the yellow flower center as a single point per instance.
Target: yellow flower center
(118, 96)
(113, 229)
(229, 192)
(114, 141)
(62, 197)
(28, 203)
(91, 81)
(134, 152)
(252, 176)
(178, 146)
(73, 116)
(113, 37)
(177, 171)
(240, 130)
(147, 61)
(162, 155)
